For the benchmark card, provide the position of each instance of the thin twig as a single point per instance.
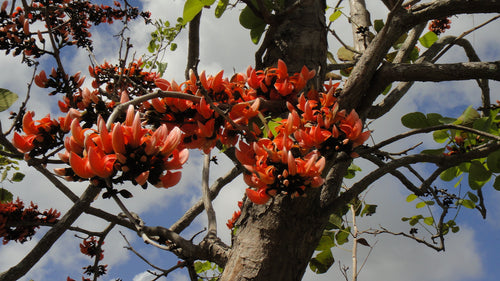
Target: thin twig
(207, 202)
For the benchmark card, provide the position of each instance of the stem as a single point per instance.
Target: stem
(354, 245)
(207, 202)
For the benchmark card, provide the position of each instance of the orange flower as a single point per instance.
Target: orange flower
(257, 197)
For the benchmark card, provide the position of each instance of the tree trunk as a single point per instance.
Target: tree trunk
(275, 241)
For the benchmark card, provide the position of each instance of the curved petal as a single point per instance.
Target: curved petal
(258, 197)
(80, 166)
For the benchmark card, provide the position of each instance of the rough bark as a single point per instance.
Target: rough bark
(275, 241)
(298, 37)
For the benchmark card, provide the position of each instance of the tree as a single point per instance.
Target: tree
(293, 137)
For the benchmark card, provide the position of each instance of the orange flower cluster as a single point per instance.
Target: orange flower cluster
(19, 223)
(127, 152)
(236, 215)
(439, 26)
(43, 134)
(90, 247)
(291, 160)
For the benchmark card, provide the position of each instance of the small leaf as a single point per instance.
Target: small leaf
(335, 222)
(428, 39)
(429, 220)
(344, 54)
(249, 20)
(378, 25)
(478, 172)
(387, 89)
(363, 242)
(326, 242)
(411, 197)
(440, 136)
(450, 173)
(335, 15)
(369, 210)
(420, 205)
(126, 194)
(5, 196)
(434, 119)
(221, 8)
(496, 183)
(342, 236)
(467, 203)
(414, 54)
(415, 120)
(473, 197)
(256, 33)
(493, 162)
(468, 116)
(7, 98)
(330, 57)
(322, 262)
(191, 9)
(455, 229)
(17, 177)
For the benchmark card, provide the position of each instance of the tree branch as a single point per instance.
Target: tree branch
(439, 160)
(207, 202)
(440, 72)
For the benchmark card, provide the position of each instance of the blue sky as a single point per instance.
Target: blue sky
(472, 254)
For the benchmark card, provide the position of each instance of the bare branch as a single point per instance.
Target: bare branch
(197, 208)
(207, 202)
(419, 240)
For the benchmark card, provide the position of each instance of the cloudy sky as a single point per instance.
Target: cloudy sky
(472, 254)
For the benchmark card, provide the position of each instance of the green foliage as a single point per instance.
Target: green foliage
(194, 7)
(417, 120)
(351, 171)
(207, 270)
(5, 196)
(221, 8)
(428, 39)
(335, 15)
(7, 98)
(345, 54)
(322, 262)
(378, 25)
(253, 22)
(162, 39)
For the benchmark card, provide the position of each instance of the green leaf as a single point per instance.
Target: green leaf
(221, 8)
(434, 119)
(344, 54)
(191, 9)
(428, 39)
(335, 222)
(400, 40)
(342, 236)
(249, 20)
(322, 262)
(450, 173)
(468, 116)
(429, 220)
(478, 172)
(330, 57)
(493, 161)
(411, 197)
(378, 25)
(467, 203)
(369, 210)
(496, 183)
(17, 177)
(5, 196)
(415, 120)
(387, 89)
(7, 98)
(473, 197)
(256, 33)
(440, 136)
(326, 242)
(420, 205)
(415, 219)
(414, 54)
(351, 171)
(335, 15)
(162, 66)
